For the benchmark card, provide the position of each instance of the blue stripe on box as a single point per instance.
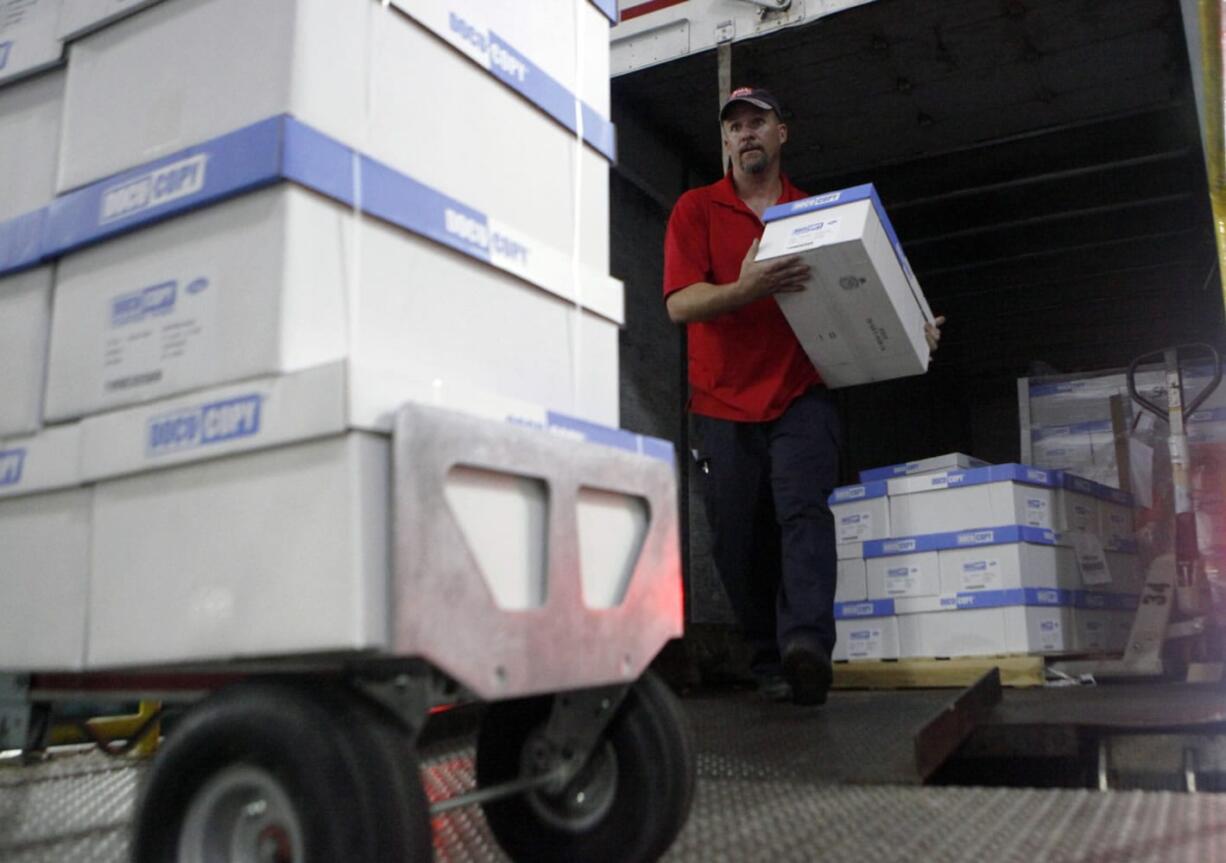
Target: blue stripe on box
(1020, 473)
(21, 241)
(312, 159)
(656, 448)
(204, 174)
(863, 491)
(259, 155)
(1010, 598)
(524, 76)
(1023, 473)
(591, 432)
(958, 539)
(541, 89)
(863, 608)
(1081, 485)
(865, 192)
(401, 200)
(819, 202)
(1040, 596)
(599, 132)
(267, 152)
(1072, 482)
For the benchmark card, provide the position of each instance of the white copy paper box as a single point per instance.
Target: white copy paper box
(903, 575)
(262, 284)
(861, 512)
(1077, 512)
(27, 37)
(987, 631)
(861, 316)
(865, 631)
(29, 140)
(851, 585)
(184, 72)
(1008, 567)
(1117, 524)
(1103, 630)
(982, 497)
(850, 550)
(270, 553)
(865, 640)
(25, 322)
(1039, 629)
(318, 402)
(44, 559)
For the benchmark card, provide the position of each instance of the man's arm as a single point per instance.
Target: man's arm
(703, 301)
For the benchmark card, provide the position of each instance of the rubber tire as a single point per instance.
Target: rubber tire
(652, 741)
(348, 769)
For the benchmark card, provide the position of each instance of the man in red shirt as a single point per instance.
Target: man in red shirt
(767, 426)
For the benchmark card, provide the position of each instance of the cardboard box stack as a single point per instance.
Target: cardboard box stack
(234, 238)
(950, 557)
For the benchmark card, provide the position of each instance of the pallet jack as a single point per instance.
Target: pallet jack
(1175, 586)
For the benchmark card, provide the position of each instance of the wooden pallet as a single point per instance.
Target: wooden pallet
(1017, 671)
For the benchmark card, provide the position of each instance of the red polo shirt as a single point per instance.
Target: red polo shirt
(746, 364)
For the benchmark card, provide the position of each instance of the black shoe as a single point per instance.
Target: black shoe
(809, 672)
(773, 686)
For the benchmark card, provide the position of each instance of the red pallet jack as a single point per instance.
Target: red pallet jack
(1174, 603)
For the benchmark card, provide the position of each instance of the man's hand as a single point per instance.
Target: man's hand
(932, 332)
(776, 276)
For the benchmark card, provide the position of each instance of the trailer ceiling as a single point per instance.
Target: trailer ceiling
(1040, 159)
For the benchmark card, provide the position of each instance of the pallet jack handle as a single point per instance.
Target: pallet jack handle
(1172, 355)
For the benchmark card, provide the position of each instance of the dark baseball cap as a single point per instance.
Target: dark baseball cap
(759, 97)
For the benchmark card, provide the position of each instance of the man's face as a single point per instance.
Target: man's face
(753, 137)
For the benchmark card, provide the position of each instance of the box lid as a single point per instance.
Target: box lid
(960, 539)
(863, 608)
(281, 149)
(935, 463)
(1019, 473)
(1024, 596)
(47, 460)
(316, 402)
(1081, 485)
(863, 491)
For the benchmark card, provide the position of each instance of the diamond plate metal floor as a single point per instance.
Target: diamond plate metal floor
(753, 803)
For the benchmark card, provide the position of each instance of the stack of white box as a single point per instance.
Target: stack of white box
(254, 230)
(949, 558)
